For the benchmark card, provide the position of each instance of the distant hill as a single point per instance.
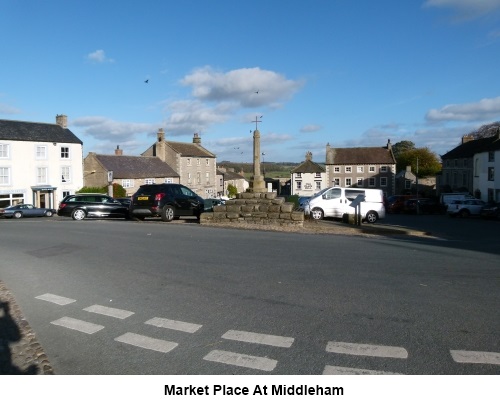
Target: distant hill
(272, 169)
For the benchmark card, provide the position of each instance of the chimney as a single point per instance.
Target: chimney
(62, 120)
(309, 156)
(161, 135)
(118, 151)
(196, 138)
(467, 138)
(389, 144)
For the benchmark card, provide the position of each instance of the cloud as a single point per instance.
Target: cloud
(466, 9)
(102, 128)
(487, 108)
(248, 87)
(99, 56)
(9, 110)
(311, 128)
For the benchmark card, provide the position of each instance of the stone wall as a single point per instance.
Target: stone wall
(256, 208)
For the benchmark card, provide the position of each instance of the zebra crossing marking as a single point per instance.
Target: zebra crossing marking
(108, 311)
(172, 324)
(337, 370)
(55, 299)
(76, 324)
(241, 360)
(145, 342)
(251, 337)
(361, 349)
(464, 356)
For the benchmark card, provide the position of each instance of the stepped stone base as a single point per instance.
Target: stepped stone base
(255, 208)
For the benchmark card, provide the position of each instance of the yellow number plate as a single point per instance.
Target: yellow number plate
(142, 198)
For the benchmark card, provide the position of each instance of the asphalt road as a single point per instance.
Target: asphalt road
(120, 297)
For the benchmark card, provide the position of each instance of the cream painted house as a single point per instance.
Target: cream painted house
(39, 163)
(308, 178)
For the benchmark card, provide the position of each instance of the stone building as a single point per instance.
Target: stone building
(363, 167)
(227, 176)
(196, 166)
(308, 178)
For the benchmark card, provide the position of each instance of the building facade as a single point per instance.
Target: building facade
(39, 163)
(196, 166)
(364, 167)
(308, 178)
(226, 177)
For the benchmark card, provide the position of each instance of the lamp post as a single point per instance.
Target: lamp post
(416, 184)
(263, 164)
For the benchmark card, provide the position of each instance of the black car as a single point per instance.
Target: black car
(490, 210)
(168, 201)
(424, 205)
(81, 206)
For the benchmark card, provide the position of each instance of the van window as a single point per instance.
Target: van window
(352, 194)
(333, 193)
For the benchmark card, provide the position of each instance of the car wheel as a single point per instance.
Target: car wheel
(78, 214)
(167, 214)
(18, 214)
(49, 213)
(371, 217)
(317, 214)
(464, 213)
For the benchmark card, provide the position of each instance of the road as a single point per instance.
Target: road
(120, 297)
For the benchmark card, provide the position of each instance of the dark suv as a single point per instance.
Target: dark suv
(168, 201)
(80, 206)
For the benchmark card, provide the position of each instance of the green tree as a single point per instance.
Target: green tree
(402, 146)
(429, 163)
(231, 191)
(118, 190)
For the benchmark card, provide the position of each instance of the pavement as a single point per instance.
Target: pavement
(22, 354)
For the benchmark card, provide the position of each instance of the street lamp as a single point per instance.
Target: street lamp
(263, 164)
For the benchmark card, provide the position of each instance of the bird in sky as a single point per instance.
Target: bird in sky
(146, 81)
(257, 92)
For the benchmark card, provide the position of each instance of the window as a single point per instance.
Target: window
(65, 194)
(65, 174)
(64, 152)
(317, 175)
(198, 162)
(168, 180)
(207, 177)
(464, 179)
(407, 184)
(456, 162)
(383, 182)
(188, 161)
(190, 180)
(318, 185)
(371, 182)
(491, 174)
(466, 164)
(127, 183)
(348, 182)
(491, 156)
(360, 169)
(359, 181)
(298, 175)
(4, 151)
(371, 169)
(383, 169)
(221, 182)
(298, 185)
(41, 175)
(149, 181)
(4, 176)
(336, 181)
(336, 169)
(198, 177)
(207, 162)
(41, 152)
(348, 169)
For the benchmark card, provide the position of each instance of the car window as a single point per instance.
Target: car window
(187, 191)
(333, 193)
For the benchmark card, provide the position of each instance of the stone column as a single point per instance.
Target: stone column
(257, 182)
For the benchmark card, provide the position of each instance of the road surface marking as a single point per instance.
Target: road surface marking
(158, 345)
(250, 337)
(463, 356)
(108, 311)
(241, 360)
(55, 299)
(175, 325)
(76, 324)
(335, 370)
(358, 349)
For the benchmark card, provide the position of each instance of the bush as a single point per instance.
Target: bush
(118, 190)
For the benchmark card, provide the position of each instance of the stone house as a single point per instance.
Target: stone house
(129, 171)
(227, 176)
(40, 163)
(308, 178)
(406, 183)
(196, 166)
(363, 167)
(471, 167)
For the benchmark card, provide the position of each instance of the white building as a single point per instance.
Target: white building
(39, 163)
(308, 178)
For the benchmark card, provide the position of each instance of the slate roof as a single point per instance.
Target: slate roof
(470, 148)
(308, 166)
(365, 155)
(190, 149)
(36, 132)
(229, 175)
(136, 167)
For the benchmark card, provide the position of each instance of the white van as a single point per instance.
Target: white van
(337, 201)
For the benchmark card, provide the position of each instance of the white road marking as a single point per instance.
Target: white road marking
(175, 325)
(158, 345)
(463, 356)
(55, 299)
(335, 370)
(358, 349)
(108, 311)
(241, 360)
(250, 337)
(76, 324)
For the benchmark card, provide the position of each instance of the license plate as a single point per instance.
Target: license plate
(142, 198)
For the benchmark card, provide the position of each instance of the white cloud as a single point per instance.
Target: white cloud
(102, 128)
(99, 56)
(487, 108)
(311, 128)
(466, 8)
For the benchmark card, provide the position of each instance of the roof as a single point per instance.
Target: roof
(190, 149)
(308, 166)
(136, 167)
(36, 132)
(365, 155)
(229, 175)
(470, 148)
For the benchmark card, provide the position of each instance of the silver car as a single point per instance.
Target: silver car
(465, 208)
(26, 210)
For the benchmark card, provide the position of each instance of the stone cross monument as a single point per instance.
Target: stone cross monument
(257, 182)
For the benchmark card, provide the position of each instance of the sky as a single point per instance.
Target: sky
(350, 73)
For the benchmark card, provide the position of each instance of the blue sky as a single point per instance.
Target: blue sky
(344, 72)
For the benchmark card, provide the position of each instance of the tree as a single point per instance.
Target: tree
(118, 190)
(402, 146)
(231, 191)
(428, 162)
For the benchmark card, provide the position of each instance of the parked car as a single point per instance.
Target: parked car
(465, 208)
(210, 203)
(81, 206)
(168, 201)
(26, 210)
(424, 205)
(490, 210)
(395, 204)
(124, 200)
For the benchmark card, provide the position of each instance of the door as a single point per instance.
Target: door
(333, 203)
